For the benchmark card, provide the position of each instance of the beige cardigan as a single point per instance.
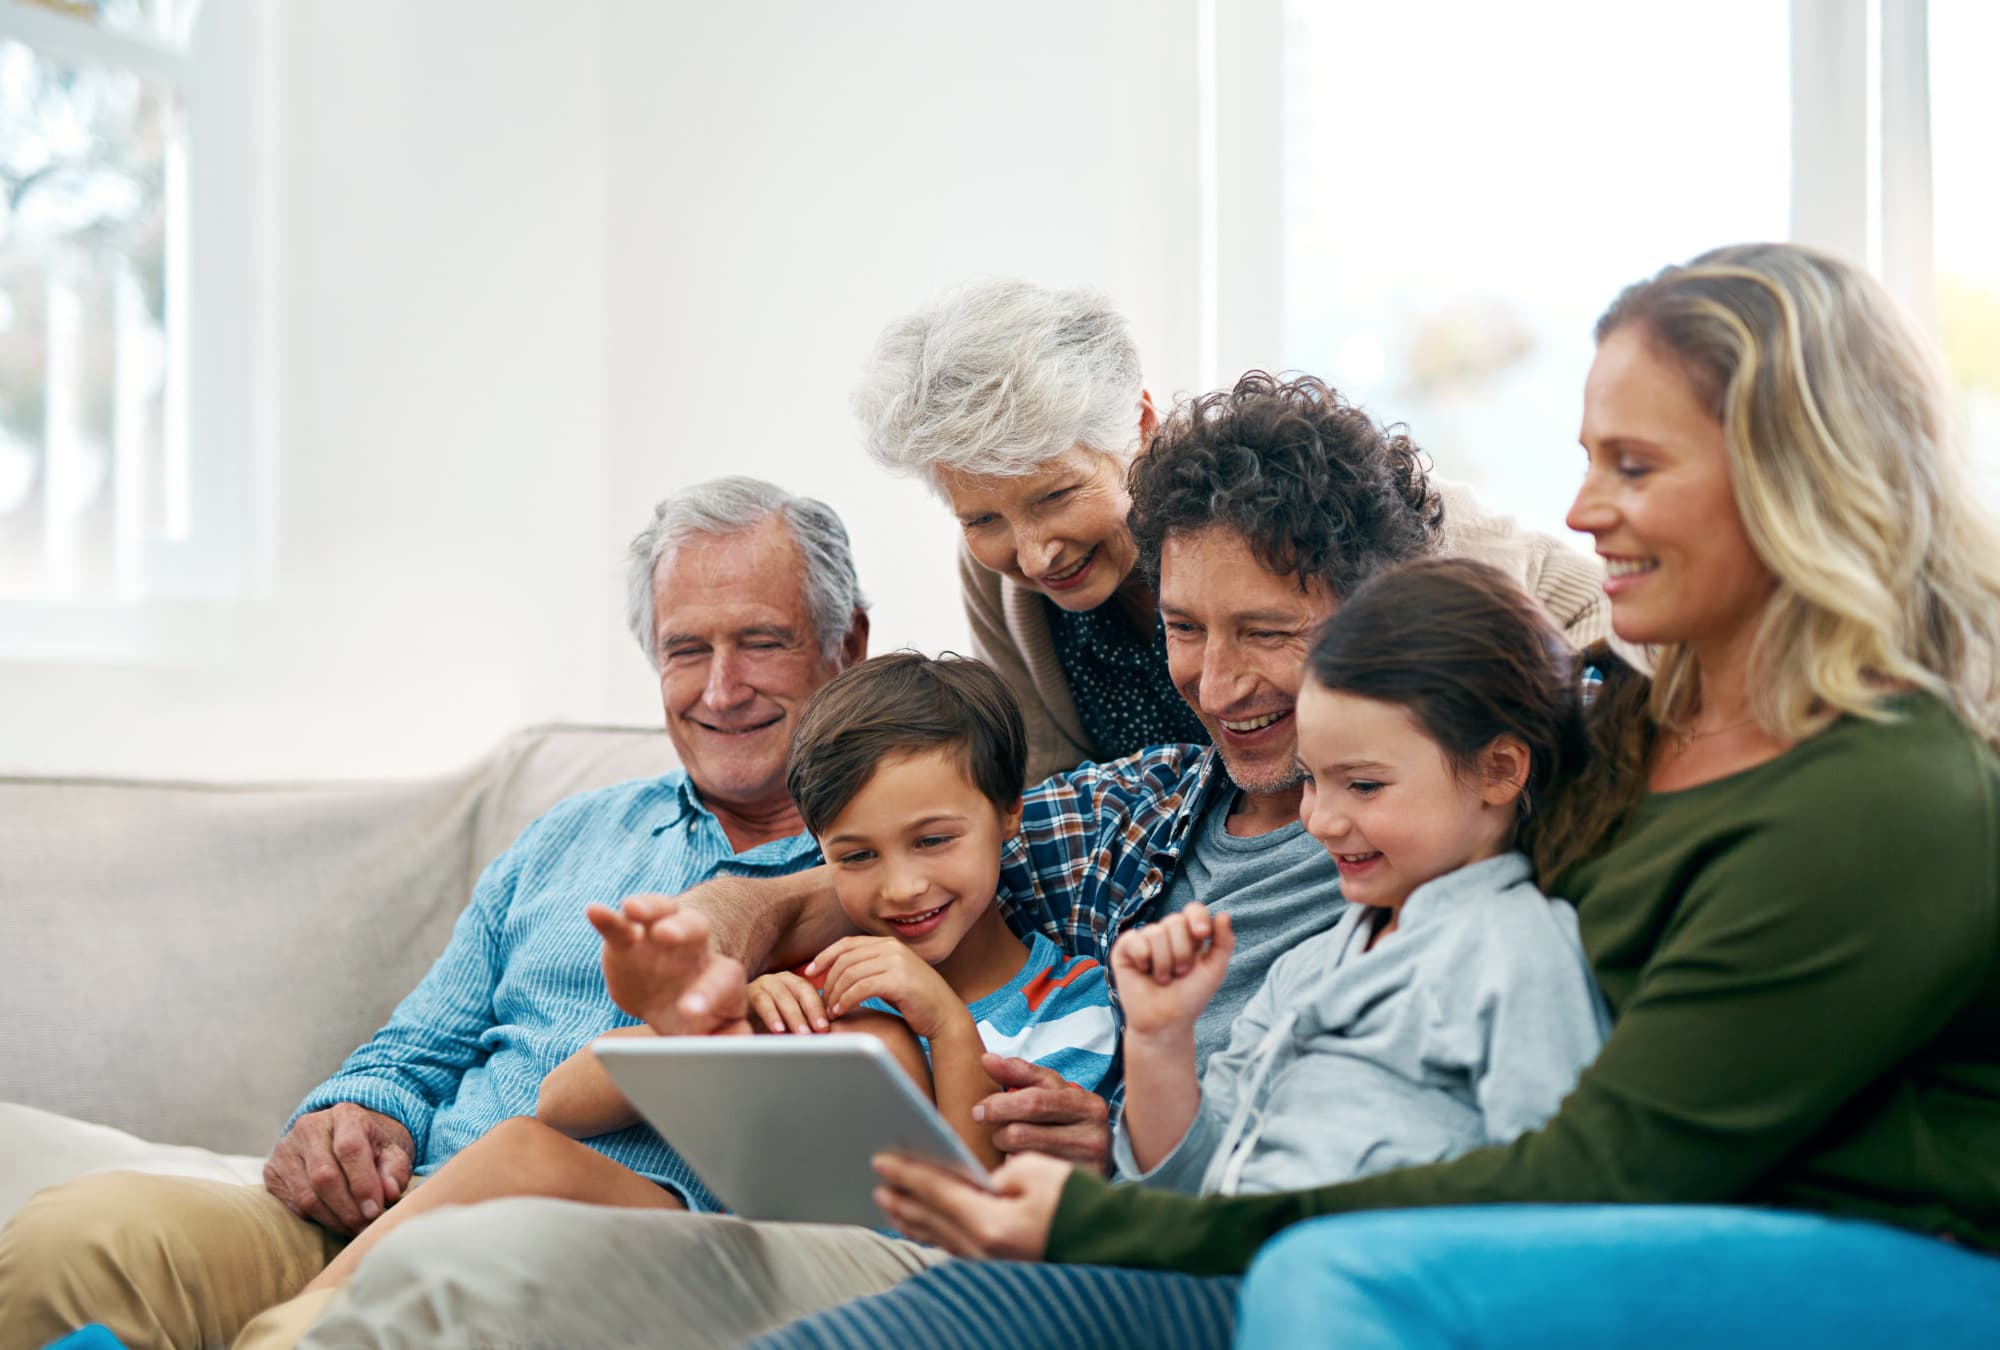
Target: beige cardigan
(1010, 629)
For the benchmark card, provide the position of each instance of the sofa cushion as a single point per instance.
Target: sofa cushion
(184, 960)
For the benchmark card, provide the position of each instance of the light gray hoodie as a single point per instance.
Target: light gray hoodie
(1464, 1027)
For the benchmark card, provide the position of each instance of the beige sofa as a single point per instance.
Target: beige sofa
(179, 962)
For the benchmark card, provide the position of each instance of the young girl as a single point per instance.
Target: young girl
(1449, 1007)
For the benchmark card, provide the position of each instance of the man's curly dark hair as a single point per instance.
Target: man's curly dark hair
(1317, 489)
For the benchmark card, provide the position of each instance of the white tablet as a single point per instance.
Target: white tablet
(782, 1127)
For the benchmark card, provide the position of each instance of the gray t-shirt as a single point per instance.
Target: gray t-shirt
(1278, 890)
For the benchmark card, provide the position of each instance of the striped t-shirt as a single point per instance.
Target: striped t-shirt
(1055, 1012)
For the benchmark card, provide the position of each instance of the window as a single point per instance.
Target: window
(1453, 191)
(1467, 191)
(134, 378)
(1965, 110)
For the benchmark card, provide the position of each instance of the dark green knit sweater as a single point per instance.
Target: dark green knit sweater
(1804, 963)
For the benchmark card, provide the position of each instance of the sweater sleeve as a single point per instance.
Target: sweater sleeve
(1860, 924)
(1538, 1017)
(413, 1065)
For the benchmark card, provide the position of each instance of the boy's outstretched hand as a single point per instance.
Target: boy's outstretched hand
(660, 967)
(1167, 972)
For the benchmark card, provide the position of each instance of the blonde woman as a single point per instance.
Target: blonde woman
(1786, 866)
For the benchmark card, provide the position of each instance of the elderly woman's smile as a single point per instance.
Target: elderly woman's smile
(1059, 529)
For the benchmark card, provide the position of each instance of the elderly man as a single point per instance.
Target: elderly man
(745, 601)
(1247, 567)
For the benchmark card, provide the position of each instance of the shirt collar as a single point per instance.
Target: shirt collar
(1196, 788)
(678, 804)
(683, 807)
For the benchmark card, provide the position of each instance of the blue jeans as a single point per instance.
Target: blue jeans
(1631, 1276)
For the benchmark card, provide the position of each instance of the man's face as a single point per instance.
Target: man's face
(738, 659)
(1237, 638)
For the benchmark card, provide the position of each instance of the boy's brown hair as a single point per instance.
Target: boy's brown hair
(898, 704)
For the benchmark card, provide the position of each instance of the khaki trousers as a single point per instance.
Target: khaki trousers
(549, 1273)
(162, 1261)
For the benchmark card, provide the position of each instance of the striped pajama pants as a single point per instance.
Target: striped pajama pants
(1007, 1305)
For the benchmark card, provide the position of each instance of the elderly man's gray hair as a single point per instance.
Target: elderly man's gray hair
(730, 506)
(999, 377)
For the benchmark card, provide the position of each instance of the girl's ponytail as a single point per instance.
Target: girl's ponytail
(1610, 741)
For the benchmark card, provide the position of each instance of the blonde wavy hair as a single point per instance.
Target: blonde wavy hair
(1849, 470)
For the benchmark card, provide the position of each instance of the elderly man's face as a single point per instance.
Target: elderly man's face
(738, 659)
(1237, 638)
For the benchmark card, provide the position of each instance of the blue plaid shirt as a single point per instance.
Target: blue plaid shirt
(1098, 845)
(521, 984)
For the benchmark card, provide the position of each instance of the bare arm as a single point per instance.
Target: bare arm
(1166, 974)
(579, 1098)
(863, 968)
(960, 1082)
(1162, 1094)
(770, 923)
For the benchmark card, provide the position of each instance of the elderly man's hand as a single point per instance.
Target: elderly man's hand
(661, 968)
(341, 1167)
(1009, 1223)
(1043, 1112)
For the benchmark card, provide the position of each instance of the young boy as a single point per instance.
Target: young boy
(908, 771)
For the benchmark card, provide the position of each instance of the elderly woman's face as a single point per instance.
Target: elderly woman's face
(1059, 530)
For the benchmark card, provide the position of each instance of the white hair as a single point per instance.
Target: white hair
(724, 506)
(1000, 377)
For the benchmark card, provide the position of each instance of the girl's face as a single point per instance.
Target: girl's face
(1383, 800)
(1059, 530)
(1657, 499)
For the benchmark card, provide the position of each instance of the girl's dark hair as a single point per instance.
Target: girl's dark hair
(1471, 658)
(1317, 489)
(895, 705)
(1594, 800)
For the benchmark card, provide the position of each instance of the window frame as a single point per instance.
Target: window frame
(221, 414)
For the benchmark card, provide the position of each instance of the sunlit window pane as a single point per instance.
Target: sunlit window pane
(88, 205)
(1965, 113)
(1468, 185)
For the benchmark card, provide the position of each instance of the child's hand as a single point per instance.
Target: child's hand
(782, 1001)
(1167, 972)
(860, 968)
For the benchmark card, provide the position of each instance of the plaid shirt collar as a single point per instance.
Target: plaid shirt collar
(1098, 845)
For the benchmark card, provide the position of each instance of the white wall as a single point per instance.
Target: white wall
(543, 263)
(790, 176)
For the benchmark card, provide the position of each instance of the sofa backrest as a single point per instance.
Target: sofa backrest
(184, 960)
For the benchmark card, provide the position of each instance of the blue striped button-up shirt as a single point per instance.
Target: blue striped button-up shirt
(521, 985)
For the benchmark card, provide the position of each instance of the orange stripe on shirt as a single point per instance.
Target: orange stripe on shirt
(1046, 983)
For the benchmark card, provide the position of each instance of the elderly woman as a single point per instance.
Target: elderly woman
(1023, 407)
(1786, 868)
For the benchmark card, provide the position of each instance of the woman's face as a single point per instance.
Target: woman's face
(1059, 530)
(1657, 499)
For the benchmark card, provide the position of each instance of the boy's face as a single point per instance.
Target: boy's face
(916, 854)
